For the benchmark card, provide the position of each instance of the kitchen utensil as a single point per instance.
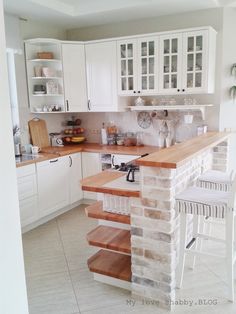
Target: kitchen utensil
(35, 150)
(38, 133)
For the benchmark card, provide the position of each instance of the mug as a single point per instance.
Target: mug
(35, 150)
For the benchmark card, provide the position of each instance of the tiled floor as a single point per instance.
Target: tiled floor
(59, 282)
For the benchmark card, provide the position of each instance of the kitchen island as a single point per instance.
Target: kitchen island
(154, 226)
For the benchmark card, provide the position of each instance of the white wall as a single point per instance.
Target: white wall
(228, 107)
(13, 297)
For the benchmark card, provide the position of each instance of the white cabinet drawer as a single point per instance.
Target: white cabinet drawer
(27, 186)
(28, 211)
(25, 170)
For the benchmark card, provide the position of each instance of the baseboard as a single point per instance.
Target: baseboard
(112, 281)
(55, 214)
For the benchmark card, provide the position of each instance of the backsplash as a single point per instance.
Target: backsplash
(125, 121)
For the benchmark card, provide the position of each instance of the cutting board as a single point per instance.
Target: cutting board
(39, 133)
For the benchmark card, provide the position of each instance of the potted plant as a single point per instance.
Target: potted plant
(232, 90)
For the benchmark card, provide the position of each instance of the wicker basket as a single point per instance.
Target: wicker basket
(116, 204)
(45, 55)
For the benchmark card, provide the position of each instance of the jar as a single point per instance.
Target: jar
(120, 139)
(130, 139)
(111, 139)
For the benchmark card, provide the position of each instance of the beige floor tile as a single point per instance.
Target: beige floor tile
(51, 294)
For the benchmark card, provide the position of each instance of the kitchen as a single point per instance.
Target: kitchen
(141, 94)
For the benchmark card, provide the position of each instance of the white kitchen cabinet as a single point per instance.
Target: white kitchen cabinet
(187, 62)
(91, 165)
(170, 79)
(75, 176)
(74, 70)
(27, 191)
(199, 61)
(53, 185)
(137, 66)
(101, 76)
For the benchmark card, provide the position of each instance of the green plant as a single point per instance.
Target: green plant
(233, 70)
(232, 92)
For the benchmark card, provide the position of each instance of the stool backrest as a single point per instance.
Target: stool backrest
(232, 199)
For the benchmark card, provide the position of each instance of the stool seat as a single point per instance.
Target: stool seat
(215, 179)
(206, 202)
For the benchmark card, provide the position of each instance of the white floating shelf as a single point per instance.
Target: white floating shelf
(44, 60)
(172, 107)
(47, 95)
(35, 112)
(46, 78)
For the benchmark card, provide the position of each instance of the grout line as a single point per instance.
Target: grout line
(60, 236)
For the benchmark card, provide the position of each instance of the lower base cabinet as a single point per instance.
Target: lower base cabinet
(91, 165)
(75, 176)
(53, 190)
(28, 210)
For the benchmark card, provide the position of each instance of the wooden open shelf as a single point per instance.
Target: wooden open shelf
(111, 264)
(110, 238)
(96, 211)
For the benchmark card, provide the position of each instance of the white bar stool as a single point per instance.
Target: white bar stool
(216, 180)
(202, 202)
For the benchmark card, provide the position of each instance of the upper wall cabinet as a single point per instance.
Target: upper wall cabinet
(101, 76)
(170, 63)
(74, 77)
(137, 66)
(44, 75)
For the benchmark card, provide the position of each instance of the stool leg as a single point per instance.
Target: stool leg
(182, 245)
(196, 244)
(229, 238)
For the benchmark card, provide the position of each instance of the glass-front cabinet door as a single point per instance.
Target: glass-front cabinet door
(170, 64)
(195, 61)
(127, 67)
(148, 55)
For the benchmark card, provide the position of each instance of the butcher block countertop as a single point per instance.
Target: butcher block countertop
(97, 148)
(111, 182)
(178, 154)
(55, 151)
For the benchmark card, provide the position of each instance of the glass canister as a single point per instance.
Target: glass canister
(120, 139)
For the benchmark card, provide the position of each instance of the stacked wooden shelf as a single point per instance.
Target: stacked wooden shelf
(114, 259)
(96, 211)
(111, 264)
(110, 238)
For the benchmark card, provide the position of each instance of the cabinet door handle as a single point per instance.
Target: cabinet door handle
(134, 92)
(112, 161)
(67, 105)
(178, 90)
(71, 162)
(89, 105)
(183, 90)
(139, 92)
(55, 160)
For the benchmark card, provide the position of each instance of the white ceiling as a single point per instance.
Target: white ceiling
(80, 13)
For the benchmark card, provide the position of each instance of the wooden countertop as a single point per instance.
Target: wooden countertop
(40, 157)
(100, 183)
(178, 154)
(55, 151)
(97, 148)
